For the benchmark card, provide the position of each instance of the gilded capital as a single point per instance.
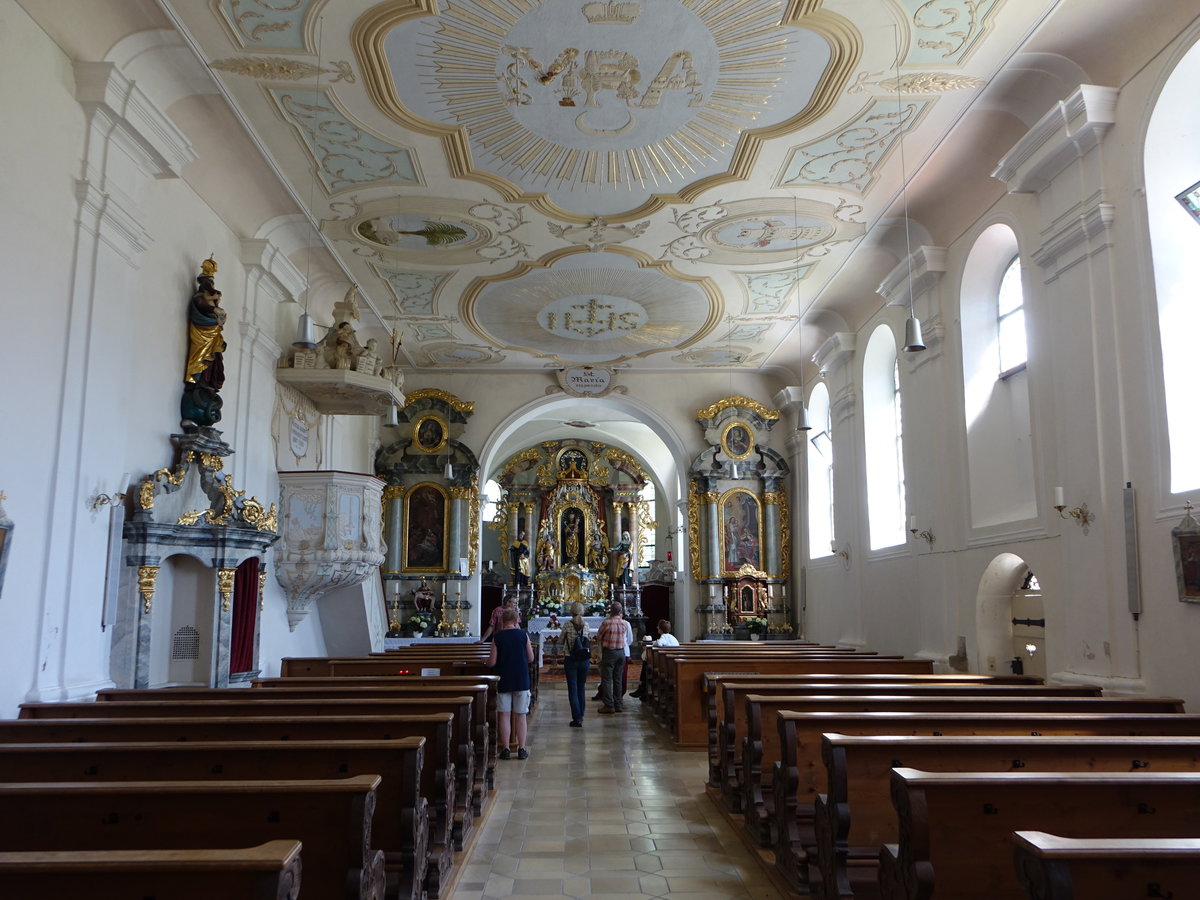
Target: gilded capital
(393, 492)
(772, 498)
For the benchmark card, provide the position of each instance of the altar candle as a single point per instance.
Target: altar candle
(1058, 497)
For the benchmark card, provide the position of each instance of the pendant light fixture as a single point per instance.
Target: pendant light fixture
(448, 472)
(305, 334)
(913, 340)
(802, 422)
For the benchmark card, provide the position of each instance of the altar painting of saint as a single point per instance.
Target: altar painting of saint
(741, 538)
(571, 539)
(425, 523)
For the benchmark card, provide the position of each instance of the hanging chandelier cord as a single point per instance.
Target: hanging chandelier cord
(903, 176)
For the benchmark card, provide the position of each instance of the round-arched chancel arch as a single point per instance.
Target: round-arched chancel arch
(584, 103)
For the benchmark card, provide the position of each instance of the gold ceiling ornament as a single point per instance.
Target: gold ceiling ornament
(914, 83)
(737, 401)
(437, 394)
(147, 575)
(269, 68)
(225, 582)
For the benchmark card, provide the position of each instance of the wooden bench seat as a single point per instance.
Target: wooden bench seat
(269, 871)
(711, 682)
(1058, 868)
(733, 727)
(855, 818)
(437, 773)
(761, 745)
(483, 721)
(331, 819)
(685, 706)
(956, 827)
(401, 821)
(241, 703)
(800, 772)
(335, 682)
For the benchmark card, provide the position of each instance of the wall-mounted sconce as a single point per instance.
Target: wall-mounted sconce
(1080, 513)
(841, 549)
(926, 535)
(99, 501)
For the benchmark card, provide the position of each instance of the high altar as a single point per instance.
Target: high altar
(582, 502)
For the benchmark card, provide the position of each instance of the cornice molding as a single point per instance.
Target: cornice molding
(928, 267)
(1061, 242)
(1067, 132)
(836, 351)
(104, 91)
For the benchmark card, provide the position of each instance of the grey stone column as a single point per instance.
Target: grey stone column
(711, 536)
(393, 527)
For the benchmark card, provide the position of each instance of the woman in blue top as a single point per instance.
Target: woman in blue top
(511, 655)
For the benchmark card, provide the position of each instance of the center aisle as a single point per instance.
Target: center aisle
(605, 811)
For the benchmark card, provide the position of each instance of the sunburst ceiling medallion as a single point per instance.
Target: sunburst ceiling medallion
(585, 103)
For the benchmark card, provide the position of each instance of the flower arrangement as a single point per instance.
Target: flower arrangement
(549, 608)
(597, 608)
(755, 624)
(419, 622)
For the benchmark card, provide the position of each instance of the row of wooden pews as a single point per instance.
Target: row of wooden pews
(912, 785)
(372, 784)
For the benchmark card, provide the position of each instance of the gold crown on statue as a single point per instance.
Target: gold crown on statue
(614, 12)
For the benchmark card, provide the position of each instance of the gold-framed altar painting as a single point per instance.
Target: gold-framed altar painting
(430, 433)
(741, 530)
(737, 440)
(426, 524)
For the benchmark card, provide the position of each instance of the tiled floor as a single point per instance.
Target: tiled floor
(605, 811)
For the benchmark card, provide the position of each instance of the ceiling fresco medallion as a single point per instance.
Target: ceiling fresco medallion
(591, 308)
(599, 106)
(768, 229)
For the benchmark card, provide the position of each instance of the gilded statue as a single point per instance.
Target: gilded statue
(204, 373)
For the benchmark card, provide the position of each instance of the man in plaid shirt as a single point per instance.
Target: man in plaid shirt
(611, 636)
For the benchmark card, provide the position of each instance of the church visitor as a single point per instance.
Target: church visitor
(614, 645)
(576, 670)
(510, 656)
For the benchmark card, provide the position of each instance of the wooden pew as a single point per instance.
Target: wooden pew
(1057, 868)
(761, 745)
(734, 726)
(686, 714)
(247, 703)
(333, 681)
(400, 826)
(437, 773)
(710, 684)
(800, 772)
(479, 691)
(856, 817)
(956, 827)
(270, 871)
(331, 819)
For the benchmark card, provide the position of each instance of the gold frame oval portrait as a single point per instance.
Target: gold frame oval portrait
(416, 434)
(727, 450)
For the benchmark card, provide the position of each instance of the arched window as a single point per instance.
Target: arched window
(648, 549)
(996, 382)
(884, 440)
(1010, 320)
(491, 496)
(1172, 164)
(820, 474)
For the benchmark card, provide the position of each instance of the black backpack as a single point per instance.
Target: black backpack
(581, 649)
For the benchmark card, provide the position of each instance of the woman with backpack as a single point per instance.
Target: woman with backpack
(577, 659)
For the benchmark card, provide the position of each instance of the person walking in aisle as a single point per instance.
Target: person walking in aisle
(511, 655)
(612, 637)
(576, 669)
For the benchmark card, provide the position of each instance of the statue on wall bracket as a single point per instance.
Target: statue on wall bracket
(204, 372)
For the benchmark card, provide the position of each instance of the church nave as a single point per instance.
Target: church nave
(606, 811)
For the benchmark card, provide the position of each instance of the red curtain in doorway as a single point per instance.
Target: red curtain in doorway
(245, 614)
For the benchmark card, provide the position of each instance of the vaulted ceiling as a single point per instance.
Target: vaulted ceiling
(654, 184)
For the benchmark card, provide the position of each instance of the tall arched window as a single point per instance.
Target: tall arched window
(820, 474)
(1010, 320)
(996, 381)
(1172, 162)
(884, 440)
(492, 492)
